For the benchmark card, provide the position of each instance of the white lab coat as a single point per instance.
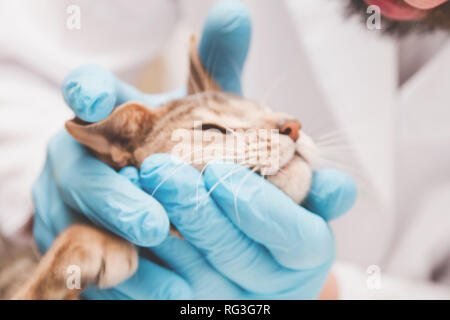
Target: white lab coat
(37, 50)
(330, 72)
(400, 137)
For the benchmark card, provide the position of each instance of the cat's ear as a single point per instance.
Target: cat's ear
(199, 79)
(118, 135)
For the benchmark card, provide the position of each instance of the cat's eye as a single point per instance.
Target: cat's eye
(211, 126)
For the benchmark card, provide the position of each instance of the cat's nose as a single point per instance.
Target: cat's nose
(291, 128)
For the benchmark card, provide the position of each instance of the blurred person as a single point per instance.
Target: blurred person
(387, 89)
(38, 51)
(401, 17)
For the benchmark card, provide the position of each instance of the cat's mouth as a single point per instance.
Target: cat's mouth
(304, 149)
(294, 178)
(307, 149)
(294, 175)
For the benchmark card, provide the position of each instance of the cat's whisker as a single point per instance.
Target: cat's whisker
(330, 140)
(335, 150)
(342, 138)
(185, 163)
(344, 133)
(194, 87)
(231, 63)
(168, 177)
(201, 99)
(234, 67)
(357, 174)
(236, 210)
(183, 159)
(283, 172)
(225, 155)
(333, 133)
(334, 145)
(326, 158)
(139, 132)
(338, 149)
(354, 170)
(315, 193)
(343, 156)
(345, 143)
(198, 184)
(352, 129)
(208, 161)
(208, 63)
(223, 178)
(200, 174)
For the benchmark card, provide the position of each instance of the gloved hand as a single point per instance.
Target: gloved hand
(246, 238)
(74, 182)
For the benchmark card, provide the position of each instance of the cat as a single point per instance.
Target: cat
(17, 262)
(133, 132)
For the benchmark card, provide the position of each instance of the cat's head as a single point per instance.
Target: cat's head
(205, 126)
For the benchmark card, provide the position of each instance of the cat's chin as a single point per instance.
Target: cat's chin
(294, 178)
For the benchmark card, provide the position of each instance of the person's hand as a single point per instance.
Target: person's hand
(246, 239)
(74, 182)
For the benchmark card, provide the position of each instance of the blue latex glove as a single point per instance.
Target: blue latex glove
(246, 238)
(74, 182)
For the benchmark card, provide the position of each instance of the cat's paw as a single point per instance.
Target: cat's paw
(119, 262)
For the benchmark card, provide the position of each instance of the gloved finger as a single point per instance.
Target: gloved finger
(51, 215)
(149, 282)
(224, 44)
(106, 198)
(296, 238)
(187, 261)
(132, 174)
(181, 190)
(332, 194)
(281, 283)
(308, 285)
(126, 92)
(92, 92)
